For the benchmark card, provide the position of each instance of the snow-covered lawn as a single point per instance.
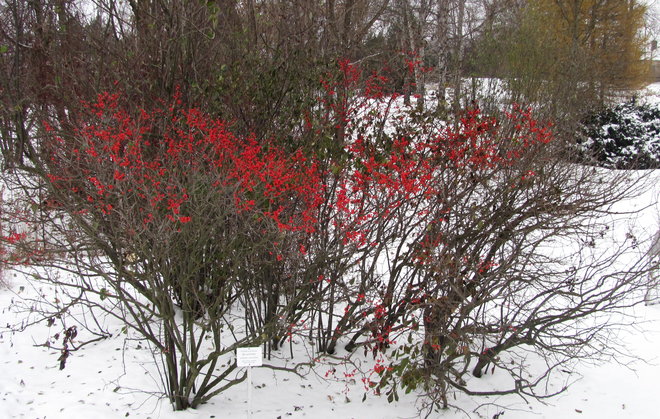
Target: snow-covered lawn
(116, 377)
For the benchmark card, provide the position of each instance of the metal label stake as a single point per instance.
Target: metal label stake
(249, 357)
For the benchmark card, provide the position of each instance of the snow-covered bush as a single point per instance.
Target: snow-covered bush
(625, 136)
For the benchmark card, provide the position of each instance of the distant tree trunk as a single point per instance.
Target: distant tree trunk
(458, 56)
(417, 30)
(442, 41)
(413, 22)
(346, 41)
(252, 23)
(407, 47)
(420, 79)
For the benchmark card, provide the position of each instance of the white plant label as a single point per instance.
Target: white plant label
(249, 357)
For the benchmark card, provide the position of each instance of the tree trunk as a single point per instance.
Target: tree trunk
(442, 35)
(458, 56)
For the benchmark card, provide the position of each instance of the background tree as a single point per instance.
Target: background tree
(254, 63)
(580, 54)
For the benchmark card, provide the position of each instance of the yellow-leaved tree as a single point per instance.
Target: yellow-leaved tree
(596, 41)
(570, 55)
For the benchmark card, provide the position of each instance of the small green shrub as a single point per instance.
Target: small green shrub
(625, 136)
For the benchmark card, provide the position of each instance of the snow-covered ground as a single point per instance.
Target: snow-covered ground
(651, 94)
(116, 377)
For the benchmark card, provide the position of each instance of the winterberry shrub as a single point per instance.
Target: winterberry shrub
(440, 230)
(421, 240)
(187, 221)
